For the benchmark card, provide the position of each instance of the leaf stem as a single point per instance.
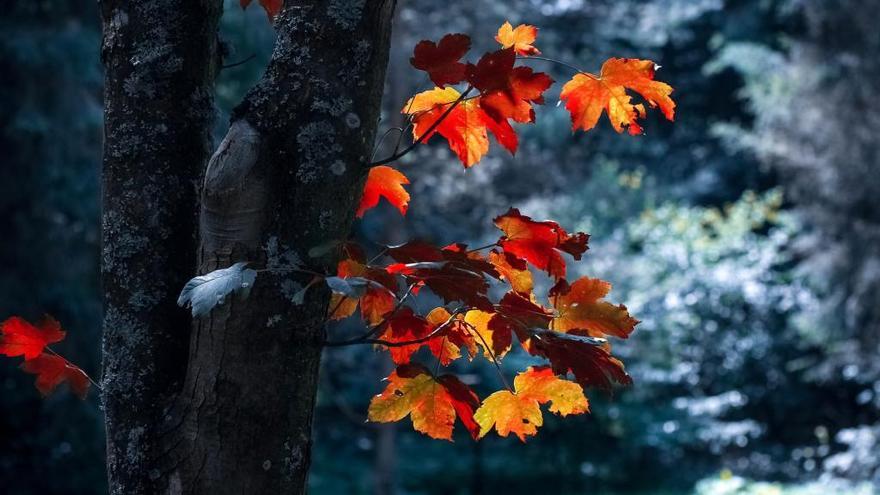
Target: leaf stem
(564, 64)
(93, 382)
(365, 338)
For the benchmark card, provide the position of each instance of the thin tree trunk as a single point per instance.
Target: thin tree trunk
(160, 58)
(286, 179)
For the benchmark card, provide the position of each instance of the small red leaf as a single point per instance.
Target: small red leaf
(20, 338)
(52, 371)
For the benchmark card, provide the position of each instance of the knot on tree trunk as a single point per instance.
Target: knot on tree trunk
(235, 191)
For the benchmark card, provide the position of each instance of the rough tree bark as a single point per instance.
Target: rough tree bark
(160, 59)
(235, 414)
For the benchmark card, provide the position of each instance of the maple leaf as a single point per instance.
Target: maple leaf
(432, 403)
(507, 92)
(520, 413)
(514, 270)
(446, 345)
(377, 300)
(386, 182)
(514, 101)
(492, 72)
(20, 338)
(579, 306)
(465, 127)
(403, 326)
(586, 96)
(442, 60)
(587, 358)
(451, 272)
(446, 332)
(519, 315)
(272, 7)
(520, 38)
(495, 344)
(52, 371)
(539, 243)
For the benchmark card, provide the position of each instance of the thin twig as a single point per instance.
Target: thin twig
(365, 338)
(236, 64)
(434, 333)
(487, 246)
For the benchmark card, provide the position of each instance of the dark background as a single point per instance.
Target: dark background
(745, 236)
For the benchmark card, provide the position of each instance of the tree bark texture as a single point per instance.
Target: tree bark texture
(160, 60)
(231, 410)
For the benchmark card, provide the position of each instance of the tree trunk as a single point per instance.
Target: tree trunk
(160, 59)
(285, 179)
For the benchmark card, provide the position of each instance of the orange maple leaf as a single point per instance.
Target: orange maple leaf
(520, 38)
(514, 270)
(377, 300)
(20, 338)
(519, 412)
(579, 306)
(465, 127)
(432, 403)
(586, 96)
(385, 182)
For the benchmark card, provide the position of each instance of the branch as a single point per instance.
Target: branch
(402, 343)
(398, 155)
(375, 329)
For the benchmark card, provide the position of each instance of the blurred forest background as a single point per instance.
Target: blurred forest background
(745, 236)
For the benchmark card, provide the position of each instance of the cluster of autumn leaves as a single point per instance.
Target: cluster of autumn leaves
(569, 331)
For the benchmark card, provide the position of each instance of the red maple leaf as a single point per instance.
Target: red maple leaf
(514, 101)
(539, 243)
(442, 60)
(272, 7)
(451, 272)
(587, 358)
(20, 338)
(52, 371)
